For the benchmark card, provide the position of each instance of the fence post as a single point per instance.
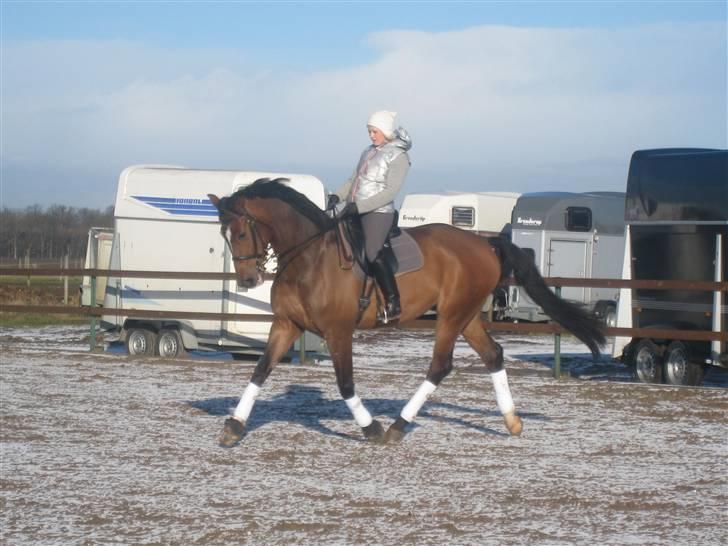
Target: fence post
(94, 262)
(557, 346)
(92, 334)
(65, 280)
(302, 348)
(27, 266)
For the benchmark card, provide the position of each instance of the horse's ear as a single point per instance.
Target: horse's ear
(214, 199)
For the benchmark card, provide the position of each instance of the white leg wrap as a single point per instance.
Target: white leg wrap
(242, 412)
(410, 411)
(503, 392)
(361, 415)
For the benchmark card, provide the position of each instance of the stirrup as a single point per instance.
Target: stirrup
(384, 318)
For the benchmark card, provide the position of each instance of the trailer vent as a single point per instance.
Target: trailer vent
(463, 216)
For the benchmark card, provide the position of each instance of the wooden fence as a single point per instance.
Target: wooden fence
(550, 328)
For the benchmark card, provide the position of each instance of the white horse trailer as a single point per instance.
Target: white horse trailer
(573, 235)
(98, 254)
(164, 221)
(486, 213)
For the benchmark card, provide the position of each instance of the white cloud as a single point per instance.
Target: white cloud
(525, 107)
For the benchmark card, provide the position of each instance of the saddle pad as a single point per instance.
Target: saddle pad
(408, 253)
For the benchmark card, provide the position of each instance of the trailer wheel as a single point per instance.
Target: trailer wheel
(169, 344)
(606, 311)
(610, 316)
(140, 342)
(646, 359)
(678, 368)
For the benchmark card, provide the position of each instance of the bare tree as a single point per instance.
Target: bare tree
(48, 234)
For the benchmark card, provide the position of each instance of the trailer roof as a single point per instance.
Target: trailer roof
(546, 210)
(168, 192)
(678, 185)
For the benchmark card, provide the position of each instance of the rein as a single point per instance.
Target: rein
(262, 257)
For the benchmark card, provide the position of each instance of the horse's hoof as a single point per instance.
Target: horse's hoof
(374, 432)
(232, 432)
(513, 424)
(396, 431)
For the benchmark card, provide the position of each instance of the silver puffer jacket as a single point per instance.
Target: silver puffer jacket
(373, 177)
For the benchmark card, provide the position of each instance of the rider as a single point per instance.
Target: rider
(370, 192)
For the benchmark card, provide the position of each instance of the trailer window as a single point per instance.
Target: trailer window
(578, 219)
(462, 216)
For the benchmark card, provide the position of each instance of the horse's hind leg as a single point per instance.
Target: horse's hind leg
(491, 353)
(440, 367)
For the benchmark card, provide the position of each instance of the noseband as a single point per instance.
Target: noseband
(262, 257)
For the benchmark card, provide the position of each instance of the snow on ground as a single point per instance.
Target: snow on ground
(104, 449)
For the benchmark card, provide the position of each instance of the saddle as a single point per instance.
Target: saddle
(400, 250)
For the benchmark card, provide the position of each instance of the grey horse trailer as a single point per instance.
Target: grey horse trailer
(677, 225)
(574, 235)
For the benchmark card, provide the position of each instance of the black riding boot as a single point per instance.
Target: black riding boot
(385, 279)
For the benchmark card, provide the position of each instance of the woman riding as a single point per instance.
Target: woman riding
(370, 192)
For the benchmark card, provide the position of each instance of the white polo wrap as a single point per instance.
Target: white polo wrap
(361, 415)
(503, 392)
(410, 411)
(242, 412)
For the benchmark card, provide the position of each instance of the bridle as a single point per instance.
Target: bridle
(260, 253)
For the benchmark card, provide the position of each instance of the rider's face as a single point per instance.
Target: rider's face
(376, 136)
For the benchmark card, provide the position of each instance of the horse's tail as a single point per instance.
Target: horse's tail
(575, 319)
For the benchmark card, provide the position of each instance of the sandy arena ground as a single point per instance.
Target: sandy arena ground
(103, 449)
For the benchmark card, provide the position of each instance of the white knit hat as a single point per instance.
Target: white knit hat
(384, 121)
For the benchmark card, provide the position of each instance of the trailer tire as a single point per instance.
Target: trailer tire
(140, 342)
(647, 362)
(606, 311)
(678, 370)
(169, 344)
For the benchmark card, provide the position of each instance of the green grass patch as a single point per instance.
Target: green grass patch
(20, 280)
(16, 320)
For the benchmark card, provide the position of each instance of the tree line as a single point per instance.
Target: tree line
(51, 233)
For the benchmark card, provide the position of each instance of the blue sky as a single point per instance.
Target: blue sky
(518, 96)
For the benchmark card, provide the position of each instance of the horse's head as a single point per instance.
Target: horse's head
(267, 212)
(243, 235)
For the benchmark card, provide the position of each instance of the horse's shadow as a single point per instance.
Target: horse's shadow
(306, 406)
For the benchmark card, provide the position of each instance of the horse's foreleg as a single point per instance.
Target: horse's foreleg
(340, 348)
(491, 353)
(282, 335)
(440, 367)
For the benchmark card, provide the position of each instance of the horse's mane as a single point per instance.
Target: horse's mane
(265, 188)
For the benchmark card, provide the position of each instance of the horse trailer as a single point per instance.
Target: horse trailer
(677, 230)
(164, 221)
(574, 235)
(98, 254)
(486, 213)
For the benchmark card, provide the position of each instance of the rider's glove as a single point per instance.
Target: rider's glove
(333, 200)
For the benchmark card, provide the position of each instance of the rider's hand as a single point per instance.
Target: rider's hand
(333, 200)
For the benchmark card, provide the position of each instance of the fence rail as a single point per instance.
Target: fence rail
(550, 328)
(200, 275)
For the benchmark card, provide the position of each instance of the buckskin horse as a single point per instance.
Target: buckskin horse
(312, 291)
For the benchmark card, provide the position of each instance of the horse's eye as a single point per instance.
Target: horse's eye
(241, 236)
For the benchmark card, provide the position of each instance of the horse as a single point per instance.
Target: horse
(313, 291)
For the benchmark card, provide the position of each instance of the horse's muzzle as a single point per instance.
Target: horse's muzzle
(250, 281)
